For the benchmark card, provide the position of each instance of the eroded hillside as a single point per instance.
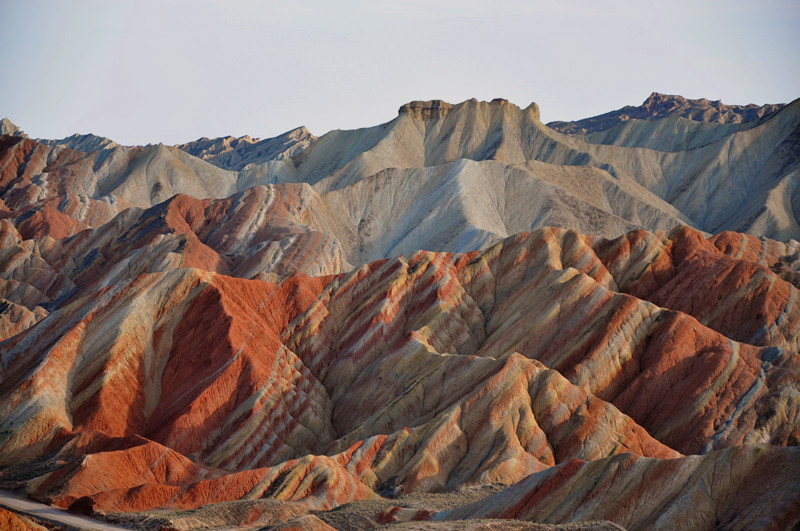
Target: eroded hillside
(459, 315)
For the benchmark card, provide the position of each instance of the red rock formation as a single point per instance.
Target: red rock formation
(189, 351)
(724, 489)
(734, 283)
(416, 374)
(11, 521)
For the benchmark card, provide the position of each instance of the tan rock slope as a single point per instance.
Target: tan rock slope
(453, 178)
(243, 153)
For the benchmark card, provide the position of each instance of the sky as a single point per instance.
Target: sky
(173, 71)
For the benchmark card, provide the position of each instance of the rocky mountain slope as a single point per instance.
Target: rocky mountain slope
(658, 106)
(451, 178)
(243, 153)
(462, 298)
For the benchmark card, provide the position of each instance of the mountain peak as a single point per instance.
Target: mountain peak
(426, 109)
(432, 109)
(659, 105)
(7, 127)
(85, 143)
(300, 134)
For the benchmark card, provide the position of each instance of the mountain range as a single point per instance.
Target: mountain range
(459, 315)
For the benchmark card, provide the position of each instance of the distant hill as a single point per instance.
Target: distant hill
(658, 106)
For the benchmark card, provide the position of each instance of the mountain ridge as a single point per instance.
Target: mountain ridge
(658, 106)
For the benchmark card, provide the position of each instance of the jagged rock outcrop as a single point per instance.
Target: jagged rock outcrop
(7, 127)
(426, 110)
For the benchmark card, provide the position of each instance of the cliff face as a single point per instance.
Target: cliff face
(426, 110)
(370, 315)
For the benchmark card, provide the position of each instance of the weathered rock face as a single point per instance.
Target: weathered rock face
(415, 374)
(722, 490)
(276, 333)
(243, 153)
(427, 110)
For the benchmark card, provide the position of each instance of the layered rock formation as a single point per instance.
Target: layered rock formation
(368, 317)
(445, 177)
(409, 375)
(715, 491)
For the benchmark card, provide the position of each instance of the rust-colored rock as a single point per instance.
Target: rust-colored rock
(415, 374)
(723, 489)
(11, 521)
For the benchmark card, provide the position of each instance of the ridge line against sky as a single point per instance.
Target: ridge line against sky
(174, 71)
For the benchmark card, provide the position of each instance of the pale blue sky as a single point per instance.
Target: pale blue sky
(172, 71)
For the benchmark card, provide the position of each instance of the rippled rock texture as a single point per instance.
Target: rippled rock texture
(418, 374)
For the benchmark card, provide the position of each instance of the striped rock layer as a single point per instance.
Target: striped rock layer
(444, 177)
(424, 373)
(248, 320)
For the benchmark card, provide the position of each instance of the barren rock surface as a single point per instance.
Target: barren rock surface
(460, 319)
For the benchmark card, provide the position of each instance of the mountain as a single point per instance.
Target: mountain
(658, 106)
(84, 143)
(353, 385)
(453, 178)
(638, 488)
(461, 317)
(7, 127)
(244, 152)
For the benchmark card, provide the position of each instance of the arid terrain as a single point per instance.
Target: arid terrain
(459, 319)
